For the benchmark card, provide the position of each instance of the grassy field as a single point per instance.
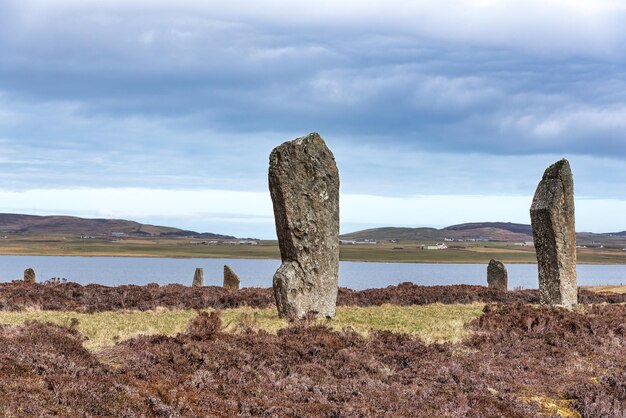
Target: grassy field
(137, 247)
(183, 247)
(608, 289)
(432, 323)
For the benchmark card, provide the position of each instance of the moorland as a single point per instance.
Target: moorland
(407, 350)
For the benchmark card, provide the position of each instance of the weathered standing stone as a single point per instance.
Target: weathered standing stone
(231, 280)
(304, 185)
(497, 276)
(553, 222)
(30, 276)
(198, 278)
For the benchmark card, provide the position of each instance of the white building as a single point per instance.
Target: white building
(437, 246)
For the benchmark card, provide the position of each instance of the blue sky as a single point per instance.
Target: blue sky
(437, 112)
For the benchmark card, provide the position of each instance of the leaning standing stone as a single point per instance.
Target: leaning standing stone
(30, 276)
(198, 278)
(231, 280)
(552, 218)
(304, 185)
(497, 276)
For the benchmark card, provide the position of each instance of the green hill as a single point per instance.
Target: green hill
(11, 223)
(493, 231)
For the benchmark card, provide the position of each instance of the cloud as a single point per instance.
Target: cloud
(558, 26)
(59, 146)
(439, 80)
(466, 97)
(574, 124)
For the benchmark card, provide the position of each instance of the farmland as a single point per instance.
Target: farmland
(403, 251)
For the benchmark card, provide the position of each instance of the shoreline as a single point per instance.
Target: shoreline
(252, 257)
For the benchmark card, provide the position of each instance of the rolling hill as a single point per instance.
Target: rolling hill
(494, 231)
(31, 224)
(506, 226)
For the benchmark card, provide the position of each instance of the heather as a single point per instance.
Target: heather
(407, 350)
(61, 296)
(519, 360)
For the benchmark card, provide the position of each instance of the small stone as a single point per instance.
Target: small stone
(553, 221)
(231, 280)
(198, 278)
(304, 186)
(497, 276)
(30, 276)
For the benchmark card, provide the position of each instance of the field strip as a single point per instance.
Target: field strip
(431, 323)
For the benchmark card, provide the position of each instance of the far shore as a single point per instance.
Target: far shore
(398, 252)
(368, 258)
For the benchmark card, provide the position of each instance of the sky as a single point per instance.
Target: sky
(437, 113)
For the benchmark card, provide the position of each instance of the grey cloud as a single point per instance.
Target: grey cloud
(164, 95)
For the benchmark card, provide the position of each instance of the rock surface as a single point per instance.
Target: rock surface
(231, 280)
(553, 222)
(497, 276)
(304, 185)
(30, 276)
(198, 278)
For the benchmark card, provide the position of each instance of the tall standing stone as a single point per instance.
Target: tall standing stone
(304, 185)
(30, 276)
(231, 280)
(198, 278)
(553, 222)
(497, 276)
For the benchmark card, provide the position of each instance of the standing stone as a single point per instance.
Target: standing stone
(304, 185)
(497, 276)
(30, 276)
(231, 280)
(552, 218)
(198, 278)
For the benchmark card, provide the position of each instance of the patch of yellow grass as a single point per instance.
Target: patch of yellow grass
(560, 407)
(431, 323)
(603, 289)
(106, 328)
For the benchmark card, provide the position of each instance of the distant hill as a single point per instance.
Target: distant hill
(32, 224)
(493, 231)
(392, 233)
(507, 226)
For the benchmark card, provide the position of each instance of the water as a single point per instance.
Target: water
(113, 271)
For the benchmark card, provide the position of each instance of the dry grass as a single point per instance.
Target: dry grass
(104, 329)
(558, 407)
(431, 323)
(606, 289)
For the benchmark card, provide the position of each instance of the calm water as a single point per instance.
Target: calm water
(112, 271)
